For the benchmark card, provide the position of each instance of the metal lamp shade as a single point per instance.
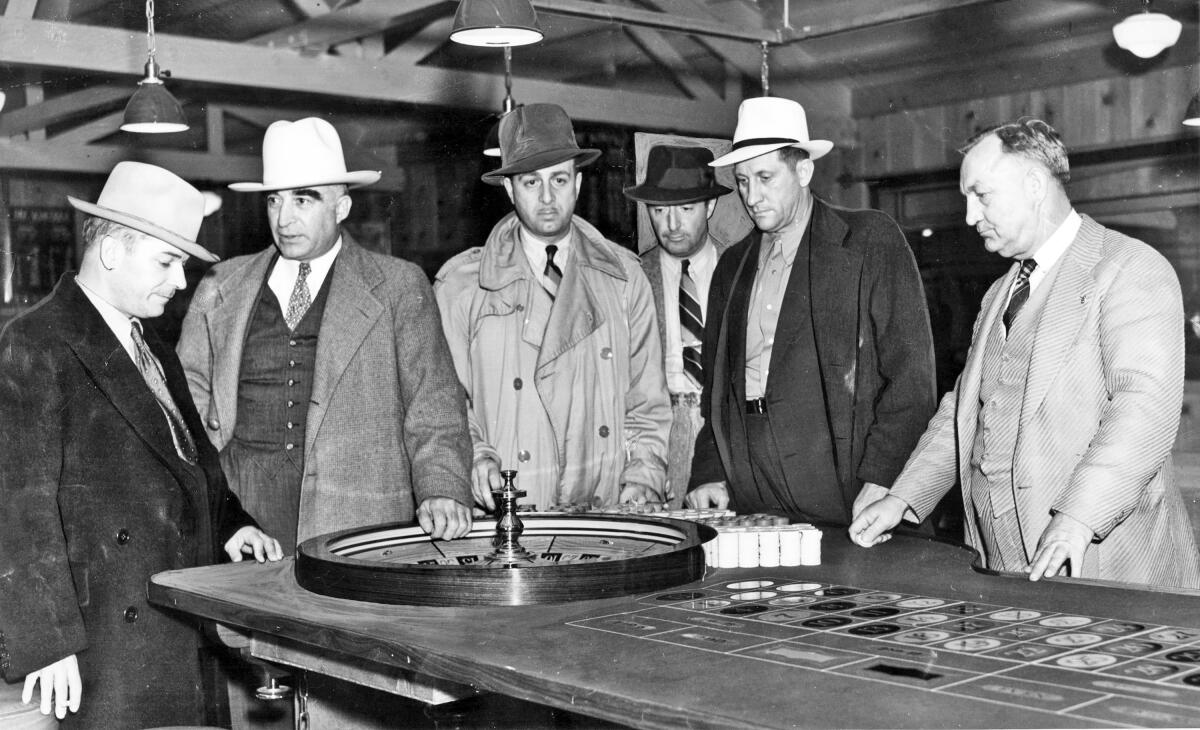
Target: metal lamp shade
(1192, 117)
(152, 110)
(495, 23)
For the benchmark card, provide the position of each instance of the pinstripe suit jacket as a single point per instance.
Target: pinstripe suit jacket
(1098, 418)
(387, 425)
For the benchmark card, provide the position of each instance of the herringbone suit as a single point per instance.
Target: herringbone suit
(1098, 417)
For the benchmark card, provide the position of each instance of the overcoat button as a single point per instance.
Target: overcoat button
(214, 424)
(122, 536)
(131, 614)
(606, 353)
(604, 432)
(523, 455)
(518, 384)
(289, 447)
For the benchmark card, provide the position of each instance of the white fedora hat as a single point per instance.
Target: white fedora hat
(303, 154)
(769, 123)
(154, 201)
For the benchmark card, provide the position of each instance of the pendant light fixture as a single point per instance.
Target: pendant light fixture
(1147, 34)
(491, 145)
(152, 109)
(495, 23)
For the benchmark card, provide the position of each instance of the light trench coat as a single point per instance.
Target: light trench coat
(577, 403)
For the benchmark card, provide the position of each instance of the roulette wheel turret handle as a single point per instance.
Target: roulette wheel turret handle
(509, 527)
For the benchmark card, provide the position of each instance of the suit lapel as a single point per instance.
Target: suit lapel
(739, 306)
(652, 265)
(967, 389)
(833, 272)
(120, 382)
(1062, 316)
(230, 318)
(351, 310)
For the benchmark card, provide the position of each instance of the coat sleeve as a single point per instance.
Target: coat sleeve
(435, 424)
(904, 356)
(1141, 348)
(40, 620)
(194, 348)
(647, 404)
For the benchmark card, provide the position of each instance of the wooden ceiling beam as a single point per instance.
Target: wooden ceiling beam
(48, 44)
(39, 116)
(194, 166)
(352, 22)
(659, 49)
(816, 20)
(20, 8)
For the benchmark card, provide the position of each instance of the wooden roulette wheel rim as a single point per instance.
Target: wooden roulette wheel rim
(341, 564)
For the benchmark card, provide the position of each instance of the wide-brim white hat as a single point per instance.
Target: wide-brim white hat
(769, 123)
(154, 201)
(304, 154)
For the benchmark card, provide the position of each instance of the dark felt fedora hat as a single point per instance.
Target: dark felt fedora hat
(534, 136)
(677, 176)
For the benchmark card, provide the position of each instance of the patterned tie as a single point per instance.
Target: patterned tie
(152, 373)
(300, 300)
(691, 325)
(1020, 293)
(552, 274)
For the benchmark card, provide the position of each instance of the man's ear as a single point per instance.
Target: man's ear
(342, 207)
(711, 207)
(805, 169)
(507, 183)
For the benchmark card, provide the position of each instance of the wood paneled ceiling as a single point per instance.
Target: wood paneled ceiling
(385, 70)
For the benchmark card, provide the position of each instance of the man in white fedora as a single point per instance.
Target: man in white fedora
(553, 332)
(817, 353)
(320, 368)
(106, 476)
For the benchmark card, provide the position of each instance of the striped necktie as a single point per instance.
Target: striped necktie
(552, 275)
(691, 325)
(300, 300)
(152, 373)
(1020, 293)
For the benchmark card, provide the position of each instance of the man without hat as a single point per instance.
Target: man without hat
(105, 473)
(680, 193)
(553, 333)
(818, 357)
(1061, 425)
(320, 367)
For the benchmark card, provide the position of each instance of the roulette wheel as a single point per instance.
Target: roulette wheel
(512, 559)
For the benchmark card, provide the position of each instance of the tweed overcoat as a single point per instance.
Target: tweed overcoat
(386, 423)
(95, 502)
(874, 349)
(1098, 418)
(603, 413)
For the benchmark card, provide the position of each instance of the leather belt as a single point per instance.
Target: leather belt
(756, 405)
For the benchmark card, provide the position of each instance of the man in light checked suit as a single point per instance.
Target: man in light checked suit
(1061, 425)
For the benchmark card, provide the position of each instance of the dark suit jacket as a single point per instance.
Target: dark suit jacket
(95, 501)
(873, 344)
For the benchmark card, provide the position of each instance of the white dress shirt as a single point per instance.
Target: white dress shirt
(283, 276)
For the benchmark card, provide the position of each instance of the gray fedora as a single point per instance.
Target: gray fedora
(535, 136)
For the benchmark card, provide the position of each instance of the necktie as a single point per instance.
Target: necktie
(152, 373)
(301, 299)
(552, 274)
(691, 325)
(1020, 293)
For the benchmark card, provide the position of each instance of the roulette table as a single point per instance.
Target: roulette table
(904, 635)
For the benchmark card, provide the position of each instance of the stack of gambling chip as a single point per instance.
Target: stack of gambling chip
(761, 541)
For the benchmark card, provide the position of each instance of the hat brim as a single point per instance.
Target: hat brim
(651, 195)
(547, 158)
(816, 148)
(144, 226)
(354, 179)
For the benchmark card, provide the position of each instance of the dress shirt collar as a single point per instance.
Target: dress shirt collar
(535, 250)
(1053, 248)
(702, 262)
(117, 321)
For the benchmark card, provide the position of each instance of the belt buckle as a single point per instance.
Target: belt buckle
(756, 405)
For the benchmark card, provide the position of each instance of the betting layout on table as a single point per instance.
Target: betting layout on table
(1083, 667)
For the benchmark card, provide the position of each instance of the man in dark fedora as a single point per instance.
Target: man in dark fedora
(818, 358)
(553, 333)
(105, 475)
(680, 192)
